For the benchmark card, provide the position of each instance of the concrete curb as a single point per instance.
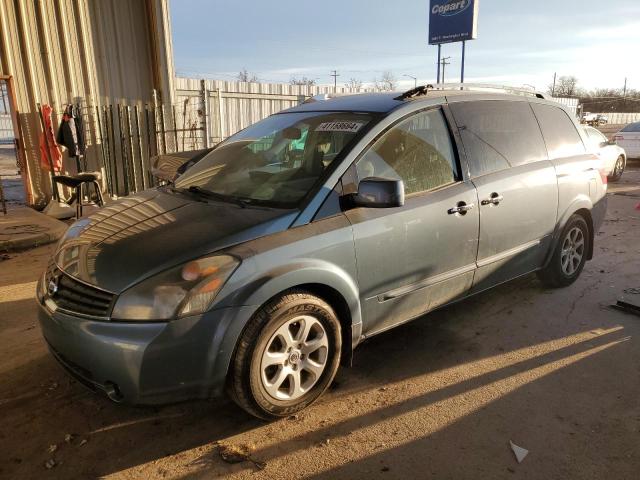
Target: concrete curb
(24, 228)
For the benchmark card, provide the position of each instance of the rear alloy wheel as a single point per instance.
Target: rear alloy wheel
(570, 254)
(286, 357)
(618, 169)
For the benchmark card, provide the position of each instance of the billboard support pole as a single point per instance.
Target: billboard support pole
(439, 55)
(462, 67)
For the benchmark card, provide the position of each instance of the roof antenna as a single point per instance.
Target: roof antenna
(415, 92)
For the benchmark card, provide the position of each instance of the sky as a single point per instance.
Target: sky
(519, 43)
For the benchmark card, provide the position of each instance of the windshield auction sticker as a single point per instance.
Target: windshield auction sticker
(351, 127)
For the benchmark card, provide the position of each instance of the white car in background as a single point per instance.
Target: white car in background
(613, 156)
(629, 139)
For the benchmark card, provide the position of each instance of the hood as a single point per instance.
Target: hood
(139, 236)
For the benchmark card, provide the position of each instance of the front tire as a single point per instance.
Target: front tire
(570, 254)
(618, 170)
(286, 357)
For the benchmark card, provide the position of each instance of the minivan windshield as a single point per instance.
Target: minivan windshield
(276, 162)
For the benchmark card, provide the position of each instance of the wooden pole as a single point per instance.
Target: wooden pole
(162, 126)
(123, 152)
(142, 169)
(147, 115)
(107, 145)
(115, 156)
(104, 158)
(184, 119)
(175, 129)
(132, 162)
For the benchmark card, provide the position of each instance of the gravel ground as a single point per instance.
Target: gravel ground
(556, 372)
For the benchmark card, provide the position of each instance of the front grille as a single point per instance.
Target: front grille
(76, 297)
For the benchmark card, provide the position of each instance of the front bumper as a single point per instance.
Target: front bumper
(147, 363)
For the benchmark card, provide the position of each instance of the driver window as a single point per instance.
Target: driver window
(417, 151)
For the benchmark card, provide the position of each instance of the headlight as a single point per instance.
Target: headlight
(185, 290)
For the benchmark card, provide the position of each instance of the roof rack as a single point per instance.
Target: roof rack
(475, 87)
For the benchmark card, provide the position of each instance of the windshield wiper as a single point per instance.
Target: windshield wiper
(218, 196)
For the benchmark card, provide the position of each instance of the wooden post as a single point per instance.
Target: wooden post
(104, 158)
(204, 93)
(107, 145)
(162, 127)
(132, 162)
(184, 119)
(175, 129)
(123, 152)
(142, 169)
(147, 114)
(115, 156)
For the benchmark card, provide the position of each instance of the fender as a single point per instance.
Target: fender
(306, 272)
(581, 201)
(255, 293)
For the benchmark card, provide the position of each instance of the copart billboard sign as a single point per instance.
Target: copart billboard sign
(452, 20)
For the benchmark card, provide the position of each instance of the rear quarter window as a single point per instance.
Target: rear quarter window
(498, 134)
(559, 131)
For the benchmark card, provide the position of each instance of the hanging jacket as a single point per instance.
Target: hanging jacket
(55, 163)
(70, 132)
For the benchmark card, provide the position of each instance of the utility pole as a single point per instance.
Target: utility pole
(415, 80)
(553, 88)
(624, 90)
(444, 65)
(335, 75)
(464, 48)
(438, 64)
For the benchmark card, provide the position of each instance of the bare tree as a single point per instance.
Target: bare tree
(566, 86)
(387, 82)
(245, 76)
(354, 84)
(310, 82)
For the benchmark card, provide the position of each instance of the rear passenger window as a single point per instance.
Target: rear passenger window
(417, 151)
(560, 133)
(497, 134)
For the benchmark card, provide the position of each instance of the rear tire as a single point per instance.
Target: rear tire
(618, 169)
(569, 256)
(286, 357)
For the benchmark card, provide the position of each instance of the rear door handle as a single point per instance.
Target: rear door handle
(461, 208)
(494, 199)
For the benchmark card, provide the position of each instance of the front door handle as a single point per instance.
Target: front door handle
(461, 208)
(494, 199)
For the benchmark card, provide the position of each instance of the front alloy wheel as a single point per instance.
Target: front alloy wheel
(286, 357)
(295, 358)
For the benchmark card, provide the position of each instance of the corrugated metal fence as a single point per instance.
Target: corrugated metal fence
(616, 118)
(221, 108)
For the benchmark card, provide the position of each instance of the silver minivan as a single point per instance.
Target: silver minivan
(263, 266)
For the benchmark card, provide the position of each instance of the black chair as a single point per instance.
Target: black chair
(76, 182)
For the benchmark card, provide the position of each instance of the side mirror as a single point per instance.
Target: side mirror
(611, 142)
(375, 192)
